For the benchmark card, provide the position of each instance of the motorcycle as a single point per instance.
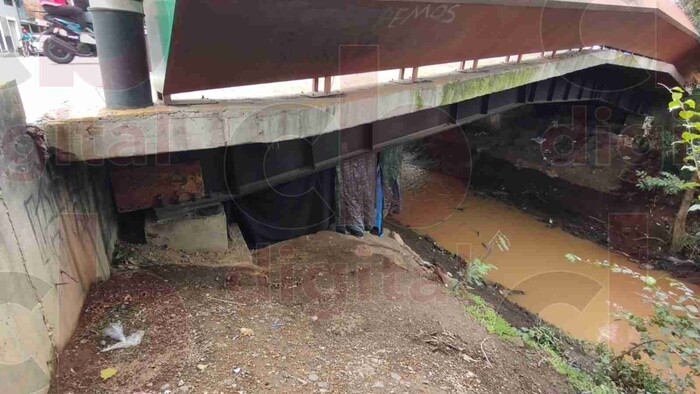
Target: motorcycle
(67, 40)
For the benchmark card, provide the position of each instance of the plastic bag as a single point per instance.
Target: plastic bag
(116, 332)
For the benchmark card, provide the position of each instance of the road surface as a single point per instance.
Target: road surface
(48, 89)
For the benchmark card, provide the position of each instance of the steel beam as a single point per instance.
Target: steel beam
(138, 188)
(283, 40)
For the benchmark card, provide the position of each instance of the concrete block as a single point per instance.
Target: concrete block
(203, 230)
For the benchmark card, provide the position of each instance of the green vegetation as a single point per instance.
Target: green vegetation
(692, 9)
(497, 325)
(476, 269)
(544, 336)
(631, 376)
(579, 379)
(475, 272)
(670, 336)
(608, 375)
(670, 183)
(489, 318)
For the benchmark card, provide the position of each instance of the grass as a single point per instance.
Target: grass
(490, 319)
(497, 325)
(578, 378)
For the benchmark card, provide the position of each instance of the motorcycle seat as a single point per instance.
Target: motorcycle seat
(51, 18)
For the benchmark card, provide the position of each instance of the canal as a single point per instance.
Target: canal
(577, 298)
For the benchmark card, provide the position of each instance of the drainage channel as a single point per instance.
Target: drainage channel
(577, 298)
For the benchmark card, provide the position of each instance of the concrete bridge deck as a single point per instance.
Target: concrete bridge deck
(164, 129)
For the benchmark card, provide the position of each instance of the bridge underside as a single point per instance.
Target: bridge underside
(254, 167)
(220, 171)
(366, 118)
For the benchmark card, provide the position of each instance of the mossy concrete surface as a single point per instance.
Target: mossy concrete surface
(160, 129)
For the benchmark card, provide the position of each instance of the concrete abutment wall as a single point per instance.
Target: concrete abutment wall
(58, 228)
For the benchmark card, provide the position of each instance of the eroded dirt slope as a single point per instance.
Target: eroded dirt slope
(328, 313)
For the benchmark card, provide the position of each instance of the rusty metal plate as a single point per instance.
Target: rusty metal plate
(278, 40)
(138, 188)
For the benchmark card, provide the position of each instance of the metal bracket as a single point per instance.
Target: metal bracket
(166, 99)
(407, 81)
(473, 69)
(315, 93)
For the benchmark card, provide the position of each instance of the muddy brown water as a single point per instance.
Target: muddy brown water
(578, 298)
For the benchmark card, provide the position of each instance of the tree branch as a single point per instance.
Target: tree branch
(630, 350)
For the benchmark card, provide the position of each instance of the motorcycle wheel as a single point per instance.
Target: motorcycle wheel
(57, 54)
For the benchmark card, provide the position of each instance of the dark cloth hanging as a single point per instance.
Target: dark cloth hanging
(302, 206)
(356, 194)
(377, 228)
(390, 161)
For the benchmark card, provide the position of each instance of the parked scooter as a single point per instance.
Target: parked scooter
(67, 40)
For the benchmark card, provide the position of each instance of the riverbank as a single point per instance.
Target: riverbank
(320, 313)
(576, 298)
(575, 352)
(586, 365)
(452, 224)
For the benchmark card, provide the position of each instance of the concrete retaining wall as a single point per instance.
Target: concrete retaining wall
(57, 232)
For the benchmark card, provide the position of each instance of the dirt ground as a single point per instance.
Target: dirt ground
(326, 313)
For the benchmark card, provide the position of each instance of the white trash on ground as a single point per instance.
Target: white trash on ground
(116, 332)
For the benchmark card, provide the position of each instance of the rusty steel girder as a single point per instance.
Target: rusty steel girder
(197, 45)
(136, 188)
(255, 167)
